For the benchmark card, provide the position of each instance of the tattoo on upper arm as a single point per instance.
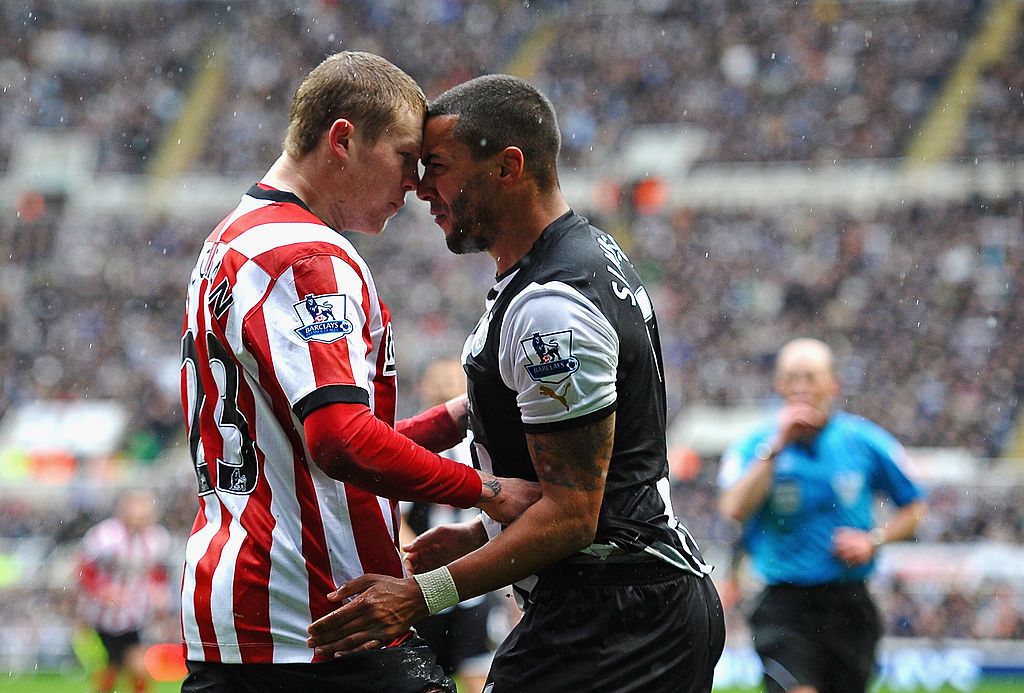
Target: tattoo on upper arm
(576, 458)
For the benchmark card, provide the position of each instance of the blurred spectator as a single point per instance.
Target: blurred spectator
(123, 585)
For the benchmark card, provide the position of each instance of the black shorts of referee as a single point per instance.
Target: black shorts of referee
(822, 635)
(407, 668)
(618, 627)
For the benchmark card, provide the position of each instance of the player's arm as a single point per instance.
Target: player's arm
(91, 578)
(352, 445)
(439, 428)
(572, 466)
(444, 544)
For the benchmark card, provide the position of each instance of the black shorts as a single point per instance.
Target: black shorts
(822, 636)
(118, 644)
(407, 668)
(646, 627)
(457, 634)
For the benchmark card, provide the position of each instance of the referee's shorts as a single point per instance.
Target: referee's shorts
(407, 668)
(618, 627)
(821, 635)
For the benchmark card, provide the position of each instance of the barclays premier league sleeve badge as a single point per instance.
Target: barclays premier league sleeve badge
(549, 356)
(323, 318)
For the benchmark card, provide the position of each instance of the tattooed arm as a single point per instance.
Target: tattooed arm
(571, 465)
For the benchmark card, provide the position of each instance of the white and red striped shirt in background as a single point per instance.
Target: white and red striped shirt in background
(282, 317)
(122, 574)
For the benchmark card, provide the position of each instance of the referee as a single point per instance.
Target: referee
(805, 488)
(565, 387)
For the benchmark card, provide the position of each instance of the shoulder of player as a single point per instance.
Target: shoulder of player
(277, 247)
(105, 532)
(856, 424)
(869, 433)
(580, 245)
(551, 298)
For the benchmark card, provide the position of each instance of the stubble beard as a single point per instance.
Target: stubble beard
(473, 226)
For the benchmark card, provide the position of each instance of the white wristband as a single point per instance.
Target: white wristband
(438, 587)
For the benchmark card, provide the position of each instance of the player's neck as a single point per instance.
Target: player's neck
(306, 178)
(523, 221)
(287, 175)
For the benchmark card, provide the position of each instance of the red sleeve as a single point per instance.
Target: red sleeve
(89, 577)
(433, 429)
(352, 445)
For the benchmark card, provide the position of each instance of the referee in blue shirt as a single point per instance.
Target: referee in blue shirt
(804, 487)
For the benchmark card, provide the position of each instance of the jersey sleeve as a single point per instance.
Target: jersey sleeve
(311, 333)
(739, 457)
(734, 462)
(560, 355)
(894, 472)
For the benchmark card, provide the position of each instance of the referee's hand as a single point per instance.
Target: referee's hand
(852, 546)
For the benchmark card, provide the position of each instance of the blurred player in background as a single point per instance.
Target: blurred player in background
(288, 389)
(459, 635)
(123, 584)
(805, 487)
(565, 384)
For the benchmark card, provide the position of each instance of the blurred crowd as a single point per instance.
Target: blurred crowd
(819, 80)
(921, 303)
(768, 81)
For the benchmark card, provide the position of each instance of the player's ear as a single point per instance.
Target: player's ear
(339, 138)
(511, 164)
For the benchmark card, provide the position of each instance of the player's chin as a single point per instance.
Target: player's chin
(379, 226)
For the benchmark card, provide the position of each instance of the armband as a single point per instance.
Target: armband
(439, 591)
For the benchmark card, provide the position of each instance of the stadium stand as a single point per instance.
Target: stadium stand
(920, 293)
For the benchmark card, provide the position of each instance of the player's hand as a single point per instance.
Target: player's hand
(380, 610)
(442, 545)
(505, 499)
(798, 421)
(852, 546)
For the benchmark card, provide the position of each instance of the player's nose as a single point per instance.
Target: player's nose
(425, 190)
(410, 179)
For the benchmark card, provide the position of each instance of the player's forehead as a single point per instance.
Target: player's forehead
(406, 127)
(439, 138)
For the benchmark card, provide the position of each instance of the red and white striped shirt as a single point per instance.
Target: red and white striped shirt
(120, 573)
(282, 317)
